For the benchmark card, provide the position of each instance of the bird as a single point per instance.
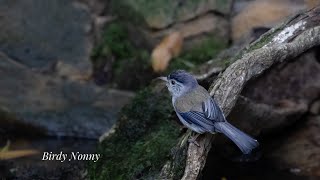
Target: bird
(198, 111)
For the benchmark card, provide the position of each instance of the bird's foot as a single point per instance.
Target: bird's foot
(194, 140)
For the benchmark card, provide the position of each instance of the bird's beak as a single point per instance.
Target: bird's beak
(163, 78)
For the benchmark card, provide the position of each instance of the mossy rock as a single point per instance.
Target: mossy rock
(151, 21)
(159, 14)
(142, 141)
(131, 68)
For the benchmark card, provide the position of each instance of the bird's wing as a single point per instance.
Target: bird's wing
(212, 111)
(197, 120)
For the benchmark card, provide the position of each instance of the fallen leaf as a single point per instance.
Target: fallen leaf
(174, 43)
(168, 48)
(160, 59)
(13, 154)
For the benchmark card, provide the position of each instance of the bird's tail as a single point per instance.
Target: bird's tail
(241, 139)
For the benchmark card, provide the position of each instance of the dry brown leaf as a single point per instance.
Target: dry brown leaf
(174, 43)
(13, 154)
(160, 59)
(168, 48)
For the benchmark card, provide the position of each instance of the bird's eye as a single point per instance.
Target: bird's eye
(172, 82)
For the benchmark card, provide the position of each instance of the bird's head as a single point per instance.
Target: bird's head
(179, 82)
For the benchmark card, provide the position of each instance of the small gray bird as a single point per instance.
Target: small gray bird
(199, 112)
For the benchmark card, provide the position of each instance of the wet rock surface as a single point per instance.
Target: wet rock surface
(56, 106)
(45, 68)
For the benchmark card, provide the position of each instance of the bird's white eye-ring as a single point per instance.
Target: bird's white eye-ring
(173, 82)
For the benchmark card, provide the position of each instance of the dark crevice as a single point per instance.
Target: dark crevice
(233, 165)
(317, 53)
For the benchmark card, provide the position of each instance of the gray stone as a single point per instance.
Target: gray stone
(315, 108)
(160, 14)
(300, 151)
(195, 19)
(38, 33)
(56, 106)
(45, 65)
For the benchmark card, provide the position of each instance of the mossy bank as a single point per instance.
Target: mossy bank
(144, 136)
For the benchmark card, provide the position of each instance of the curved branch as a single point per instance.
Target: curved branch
(283, 43)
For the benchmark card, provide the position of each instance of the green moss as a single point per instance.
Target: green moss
(142, 11)
(142, 141)
(263, 40)
(198, 55)
(259, 43)
(224, 5)
(176, 168)
(151, 8)
(226, 63)
(114, 42)
(125, 12)
(131, 64)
